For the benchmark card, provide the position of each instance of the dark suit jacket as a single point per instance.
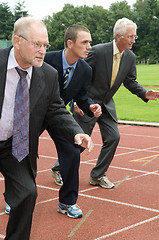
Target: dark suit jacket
(45, 104)
(79, 84)
(100, 58)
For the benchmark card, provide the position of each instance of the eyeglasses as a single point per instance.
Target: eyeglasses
(36, 44)
(132, 37)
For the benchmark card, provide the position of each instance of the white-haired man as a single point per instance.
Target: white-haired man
(109, 72)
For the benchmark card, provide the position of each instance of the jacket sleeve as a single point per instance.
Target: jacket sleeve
(57, 116)
(131, 83)
(82, 99)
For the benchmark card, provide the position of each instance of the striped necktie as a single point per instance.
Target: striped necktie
(66, 77)
(20, 142)
(115, 67)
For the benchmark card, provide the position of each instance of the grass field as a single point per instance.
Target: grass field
(148, 75)
(129, 107)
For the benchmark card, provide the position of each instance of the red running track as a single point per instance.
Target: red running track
(129, 211)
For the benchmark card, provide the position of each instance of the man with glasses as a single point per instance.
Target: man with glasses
(36, 44)
(113, 64)
(29, 95)
(73, 85)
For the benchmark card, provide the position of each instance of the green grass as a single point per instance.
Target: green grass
(130, 107)
(148, 75)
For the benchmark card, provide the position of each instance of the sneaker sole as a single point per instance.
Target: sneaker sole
(100, 184)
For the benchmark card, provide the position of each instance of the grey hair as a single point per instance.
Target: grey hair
(23, 24)
(121, 26)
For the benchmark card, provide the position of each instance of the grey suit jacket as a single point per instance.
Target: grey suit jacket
(100, 59)
(45, 104)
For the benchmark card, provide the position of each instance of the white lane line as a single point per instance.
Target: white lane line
(149, 148)
(43, 156)
(120, 203)
(46, 201)
(2, 236)
(137, 151)
(127, 228)
(134, 170)
(139, 176)
(137, 135)
(122, 168)
(41, 171)
(45, 138)
(106, 200)
(49, 188)
(133, 150)
(89, 189)
(2, 213)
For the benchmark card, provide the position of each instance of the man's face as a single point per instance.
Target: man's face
(30, 52)
(80, 48)
(127, 40)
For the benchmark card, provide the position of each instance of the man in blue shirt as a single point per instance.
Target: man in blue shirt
(74, 80)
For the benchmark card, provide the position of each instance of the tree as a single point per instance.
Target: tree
(120, 10)
(6, 21)
(20, 11)
(147, 46)
(96, 19)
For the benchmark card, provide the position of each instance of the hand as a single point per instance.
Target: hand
(84, 141)
(78, 110)
(152, 94)
(96, 109)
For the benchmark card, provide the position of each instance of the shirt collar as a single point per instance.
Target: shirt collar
(12, 63)
(65, 64)
(115, 48)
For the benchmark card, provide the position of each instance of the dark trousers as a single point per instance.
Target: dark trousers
(20, 192)
(69, 160)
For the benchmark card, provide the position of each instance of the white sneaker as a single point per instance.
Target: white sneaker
(72, 211)
(57, 176)
(102, 181)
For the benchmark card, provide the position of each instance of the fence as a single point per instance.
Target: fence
(5, 43)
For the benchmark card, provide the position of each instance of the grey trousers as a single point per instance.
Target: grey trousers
(110, 137)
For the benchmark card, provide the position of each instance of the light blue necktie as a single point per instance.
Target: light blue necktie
(20, 142)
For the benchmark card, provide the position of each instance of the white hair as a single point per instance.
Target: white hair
(121, 26)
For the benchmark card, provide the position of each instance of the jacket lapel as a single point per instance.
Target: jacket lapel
(75, 77)
(109, 60)
(122, 68)
(59, 67)
(4, 53)
(36, 87)
(124, 65)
